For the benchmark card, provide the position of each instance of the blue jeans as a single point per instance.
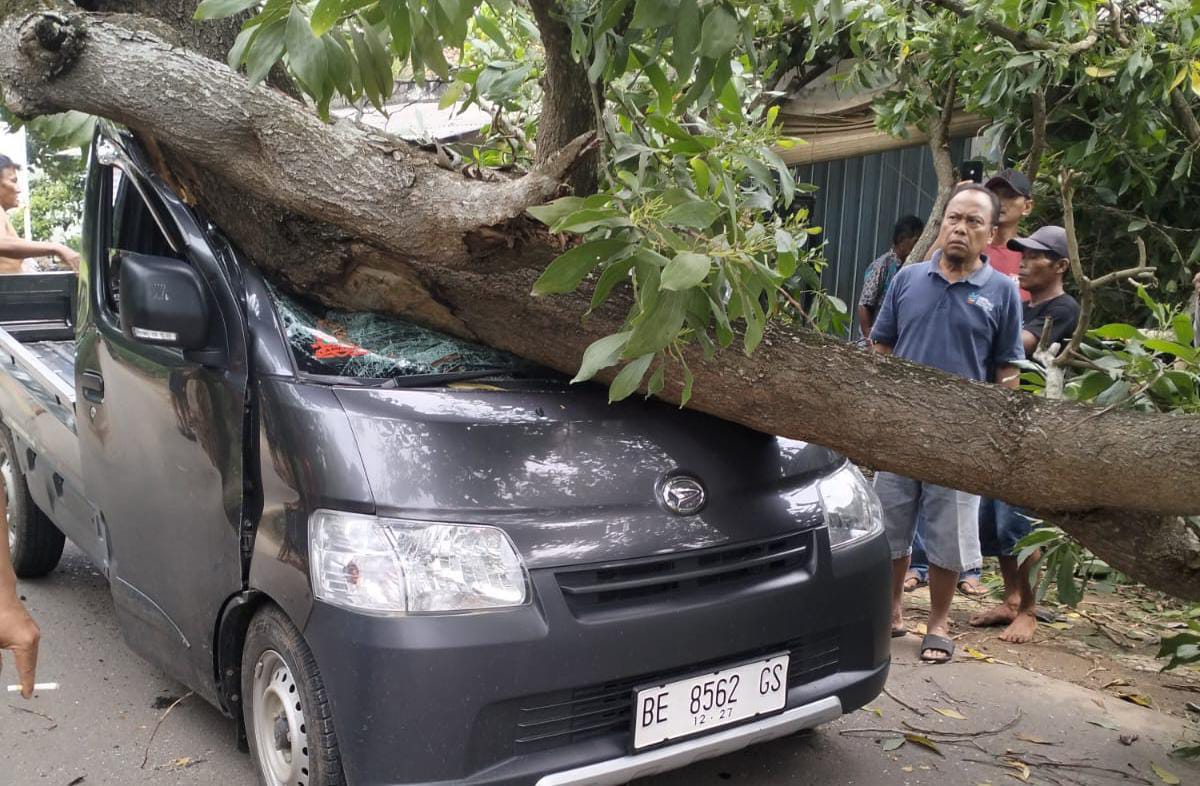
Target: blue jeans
(920, 563)
(1001, 527)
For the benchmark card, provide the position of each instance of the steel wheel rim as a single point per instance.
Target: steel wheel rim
(280, 734)
(6, 471)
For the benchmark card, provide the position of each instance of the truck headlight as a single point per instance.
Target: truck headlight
(392, 567)
(852, 511)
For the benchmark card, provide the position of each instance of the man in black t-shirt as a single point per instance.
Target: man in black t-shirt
(1044, 265)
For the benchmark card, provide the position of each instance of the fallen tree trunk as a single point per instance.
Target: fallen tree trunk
(365, 221)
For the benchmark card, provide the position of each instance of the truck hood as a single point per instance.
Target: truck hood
(573, 479)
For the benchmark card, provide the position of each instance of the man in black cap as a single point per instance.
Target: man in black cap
(1045, 261)
(1016, 200)
(1044, 264)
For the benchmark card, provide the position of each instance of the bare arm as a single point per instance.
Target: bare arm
(1008, 376)
(1029, 341)
(15, 248)
(864, 321)
(18, 632)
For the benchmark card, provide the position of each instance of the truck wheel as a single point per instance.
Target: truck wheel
(289, 724)
(36, 544)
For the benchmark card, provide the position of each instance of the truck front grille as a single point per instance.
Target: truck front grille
(598, 588)
(564, 717)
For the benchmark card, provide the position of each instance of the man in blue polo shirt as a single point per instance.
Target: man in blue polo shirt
(956, 313)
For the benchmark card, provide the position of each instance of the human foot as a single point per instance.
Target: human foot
(898, 627)
(972, 588)
(913, 581)
(937, 646)
(1022, 628)
(1000, 614)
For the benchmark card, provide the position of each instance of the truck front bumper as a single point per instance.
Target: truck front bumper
(543, 694)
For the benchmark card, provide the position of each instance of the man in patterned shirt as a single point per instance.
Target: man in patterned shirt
(879, 273)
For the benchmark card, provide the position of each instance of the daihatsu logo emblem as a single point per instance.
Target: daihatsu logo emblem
(683, 495)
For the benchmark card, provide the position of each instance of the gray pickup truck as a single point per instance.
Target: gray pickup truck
(394, 557)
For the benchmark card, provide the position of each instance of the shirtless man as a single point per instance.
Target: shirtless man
(13, 248)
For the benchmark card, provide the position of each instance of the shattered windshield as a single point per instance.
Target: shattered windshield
(366, 345)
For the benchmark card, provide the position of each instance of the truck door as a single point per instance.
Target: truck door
(161, 435)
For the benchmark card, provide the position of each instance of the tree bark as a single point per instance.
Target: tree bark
(571, 104)
(364, 221)
(943, 168)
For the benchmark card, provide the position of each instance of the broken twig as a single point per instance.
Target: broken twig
(149, 742)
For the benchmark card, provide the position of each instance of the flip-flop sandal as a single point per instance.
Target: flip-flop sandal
(972, 590)
(913, 583)
(938, 644)
(899, 633)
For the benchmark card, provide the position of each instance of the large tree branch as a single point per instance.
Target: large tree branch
(571, 104)
(375, 187)
(1037, 144)
(1185, 116)
(288, 188)
(943, 167)
(1088, 287)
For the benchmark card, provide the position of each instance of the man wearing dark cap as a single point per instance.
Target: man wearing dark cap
(1044, 264)
(1016, 200)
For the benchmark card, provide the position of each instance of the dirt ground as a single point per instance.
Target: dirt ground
(1107, 644)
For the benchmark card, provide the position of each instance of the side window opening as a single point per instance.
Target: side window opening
(132, 227)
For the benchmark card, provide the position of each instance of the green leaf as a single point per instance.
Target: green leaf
(400, 24)
(601, 354)
(1116, 330)
(687, 39)
(306, 53)
(1171, 348)
(661, 86)
(1184, 331)
(718, 33)
(565, 272)
(651, 14)
(685, 271)
(589, 218)
(553, 212)
(613, 274)
(659, 325)
(892, 743)
(237, 53)
(698, 215)
(491, 29)
(218, 9)
(325, 16)
(1090, 385)
(657, 381)
(612, 15)
(265, 50)
(686, 395)
(630, 377)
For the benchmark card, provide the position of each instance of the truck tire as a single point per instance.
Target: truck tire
(36, 544)
(289, 724)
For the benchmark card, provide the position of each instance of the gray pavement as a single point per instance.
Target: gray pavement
(96, 729)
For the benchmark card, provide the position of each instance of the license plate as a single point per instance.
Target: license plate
(708, 701)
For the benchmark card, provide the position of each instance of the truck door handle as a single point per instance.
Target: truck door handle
(92, 385)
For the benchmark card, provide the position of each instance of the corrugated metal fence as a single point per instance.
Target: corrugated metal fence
(858, 202)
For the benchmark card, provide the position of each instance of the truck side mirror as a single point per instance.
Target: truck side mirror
(163, 302)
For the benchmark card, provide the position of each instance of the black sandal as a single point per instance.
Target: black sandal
(938, 644)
